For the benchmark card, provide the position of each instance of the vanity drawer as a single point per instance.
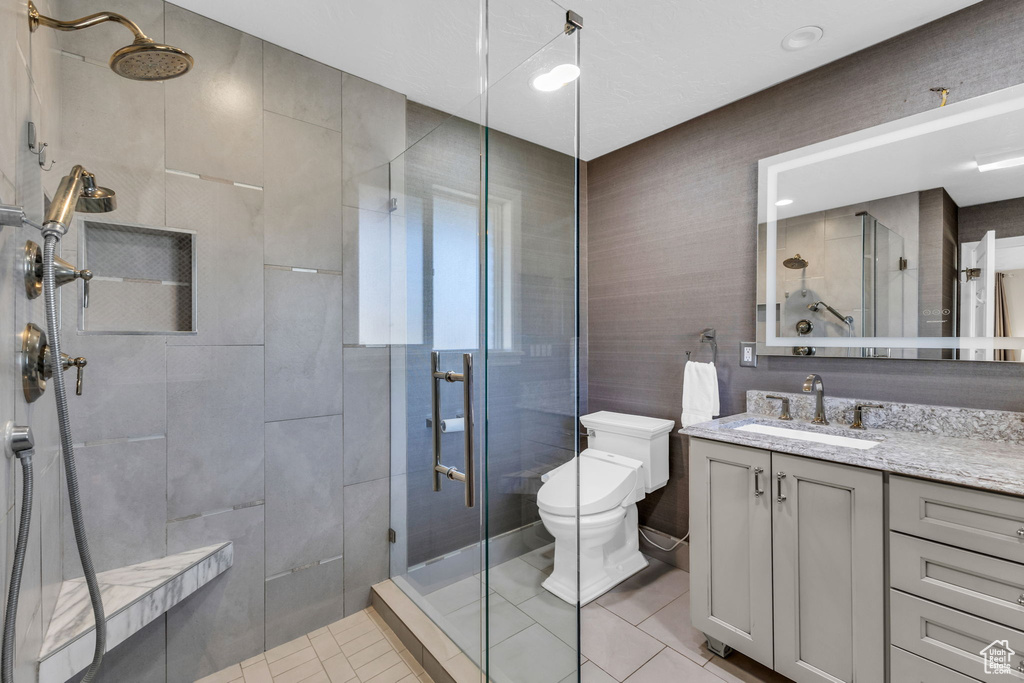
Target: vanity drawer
(990, 523)
(978, 584)
(949, 637)
(907, 668)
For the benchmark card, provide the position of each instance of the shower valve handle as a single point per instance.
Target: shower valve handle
(67, 362)
(79, 363)
(85, 275)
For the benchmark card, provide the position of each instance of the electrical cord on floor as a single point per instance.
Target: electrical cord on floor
(667, 550)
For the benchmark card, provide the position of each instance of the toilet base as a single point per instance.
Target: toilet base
(613, 577)
(609, 553)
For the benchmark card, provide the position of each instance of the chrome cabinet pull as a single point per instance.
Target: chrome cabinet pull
(466, 378)
(1020, 532)
(778, 480)
(758, 491)
(1020, 600)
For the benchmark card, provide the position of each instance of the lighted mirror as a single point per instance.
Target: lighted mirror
(905, 240)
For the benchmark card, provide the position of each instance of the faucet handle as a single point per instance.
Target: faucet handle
(858, 413)
(785, 406)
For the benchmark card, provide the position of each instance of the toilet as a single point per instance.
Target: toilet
(627, 458)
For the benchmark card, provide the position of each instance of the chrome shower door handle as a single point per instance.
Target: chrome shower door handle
(467, 407)
(435, 415)
(439, 468)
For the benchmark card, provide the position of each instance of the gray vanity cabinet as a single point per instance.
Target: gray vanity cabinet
(786, 563)
(828, 558)
(731, 546)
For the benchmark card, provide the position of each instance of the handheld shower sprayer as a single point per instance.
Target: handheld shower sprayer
(848, 319)
(77, 192)
(143, 60)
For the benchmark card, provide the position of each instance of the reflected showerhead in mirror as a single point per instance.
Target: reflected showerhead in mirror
(796, 263)
(143, 60)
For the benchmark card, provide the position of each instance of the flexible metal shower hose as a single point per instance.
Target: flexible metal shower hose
(11, 614)
(67, 448)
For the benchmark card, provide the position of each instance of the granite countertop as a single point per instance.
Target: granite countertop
(983, 464)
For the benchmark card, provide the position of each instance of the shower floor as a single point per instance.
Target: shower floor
(639, 632)
(360, 648)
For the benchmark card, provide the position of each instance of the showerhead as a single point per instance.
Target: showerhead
(146, 60)
(795, 263)
(143, 60)
(77, 192)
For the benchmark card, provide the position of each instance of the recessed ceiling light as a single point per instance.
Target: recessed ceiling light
(994, 162)
(558, 77)
(784, 202)
(804, 36)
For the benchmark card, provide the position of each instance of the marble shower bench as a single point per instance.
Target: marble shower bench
(133, 596)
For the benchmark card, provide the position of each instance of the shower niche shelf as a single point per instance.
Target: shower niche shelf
(144, 279)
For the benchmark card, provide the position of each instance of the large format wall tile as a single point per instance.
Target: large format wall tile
(214, 428)
(304, 492)
(125, 384)
(215, 115)
(302, 172)
(222, 623)
(303, 601)
(303, 342)
(373, 124)
(301, 88)
(229, 224)
(367, 414)
(366, 541)
(124, 499)
(115, 128)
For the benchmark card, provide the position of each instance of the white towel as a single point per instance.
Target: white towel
(700, 393)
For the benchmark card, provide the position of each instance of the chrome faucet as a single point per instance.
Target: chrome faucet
(815, 384)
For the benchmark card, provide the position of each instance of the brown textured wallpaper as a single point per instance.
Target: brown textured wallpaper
(671, 245)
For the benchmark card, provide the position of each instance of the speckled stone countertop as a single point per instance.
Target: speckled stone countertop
(995, 463)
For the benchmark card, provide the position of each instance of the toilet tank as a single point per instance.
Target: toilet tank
(634, 436)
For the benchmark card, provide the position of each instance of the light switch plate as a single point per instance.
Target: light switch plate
(748, 354)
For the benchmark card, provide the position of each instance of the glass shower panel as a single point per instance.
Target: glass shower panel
(435, 240)
(482, 244)
(884, 311)
(531, 352)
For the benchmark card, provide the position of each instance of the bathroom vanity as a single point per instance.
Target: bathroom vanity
(891, 554)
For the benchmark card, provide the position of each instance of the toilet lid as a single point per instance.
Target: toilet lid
(603, 485)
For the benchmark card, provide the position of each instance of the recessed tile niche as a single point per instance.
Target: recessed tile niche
(143, 279)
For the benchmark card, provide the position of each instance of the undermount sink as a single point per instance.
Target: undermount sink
(801, 435)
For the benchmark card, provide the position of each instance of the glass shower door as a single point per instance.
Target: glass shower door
(482, 246)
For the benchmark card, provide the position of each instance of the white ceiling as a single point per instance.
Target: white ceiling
(647, 64)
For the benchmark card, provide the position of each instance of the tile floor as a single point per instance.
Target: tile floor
(637, 633)
(358, 649)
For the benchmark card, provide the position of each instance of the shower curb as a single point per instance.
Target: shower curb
(440, 657)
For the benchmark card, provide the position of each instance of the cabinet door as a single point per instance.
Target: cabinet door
(829, 571)
(730, 546)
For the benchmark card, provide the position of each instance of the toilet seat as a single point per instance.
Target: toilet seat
(606, 480)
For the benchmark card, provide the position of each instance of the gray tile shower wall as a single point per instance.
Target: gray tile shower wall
(245, 431)
(672, 238)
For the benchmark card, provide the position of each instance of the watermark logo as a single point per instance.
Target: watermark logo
(997, 657)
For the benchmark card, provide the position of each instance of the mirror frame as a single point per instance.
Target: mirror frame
(975, 109)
